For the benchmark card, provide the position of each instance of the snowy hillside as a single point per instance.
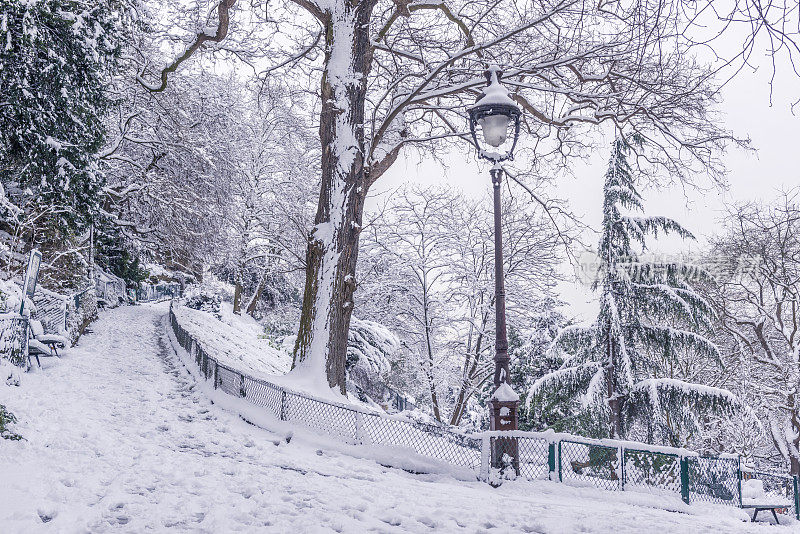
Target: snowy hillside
(118, 438)
(238, 341)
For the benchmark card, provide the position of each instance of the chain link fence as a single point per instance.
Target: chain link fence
(492, 456)
(589, 464)
(344, 422)
(712, 479)
(651, 471)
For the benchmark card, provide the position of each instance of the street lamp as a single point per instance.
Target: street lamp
(497, 116)
(495, 113)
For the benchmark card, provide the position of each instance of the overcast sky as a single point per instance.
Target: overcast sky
(773, 130)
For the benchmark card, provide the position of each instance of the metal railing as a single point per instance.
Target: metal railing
(345, 422)
(153, 293)
(493, 456)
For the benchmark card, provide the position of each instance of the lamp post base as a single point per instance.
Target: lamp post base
(503, 414)
(505, 450)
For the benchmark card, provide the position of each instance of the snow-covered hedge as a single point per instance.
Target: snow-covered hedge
(12, 331)
(207, 302)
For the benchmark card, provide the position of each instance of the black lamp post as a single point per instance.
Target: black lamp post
(496, 114)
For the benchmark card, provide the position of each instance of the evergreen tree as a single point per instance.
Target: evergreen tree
(55, 60)
(530, 360)
(115, 256)
(649, 314)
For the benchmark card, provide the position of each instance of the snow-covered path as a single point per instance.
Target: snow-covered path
(119, 440)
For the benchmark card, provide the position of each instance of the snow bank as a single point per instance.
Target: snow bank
(236, 341)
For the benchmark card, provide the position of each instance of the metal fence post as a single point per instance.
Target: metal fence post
(486, 457)
(361, 436)
(739, 479)
(622, 468)
(283, 405)
(796, 497)
(551, 461)
(216, 373)
(685, 479)
(242, 392)
(560, 469)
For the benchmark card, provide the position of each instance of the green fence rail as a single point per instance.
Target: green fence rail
(624, 467)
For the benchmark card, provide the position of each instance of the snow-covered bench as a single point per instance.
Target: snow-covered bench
(755, 498)
(41, 344)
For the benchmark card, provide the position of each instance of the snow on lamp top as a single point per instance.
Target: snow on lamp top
(504, 393)
(493, 112)
(495, 93)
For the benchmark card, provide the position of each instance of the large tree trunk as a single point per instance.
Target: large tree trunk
(321, 345)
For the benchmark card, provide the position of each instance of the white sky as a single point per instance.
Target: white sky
(773, 130)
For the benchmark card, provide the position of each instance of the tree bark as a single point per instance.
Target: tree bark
(237, 298)
(794, 461)
(470, 371)
(430, 363)
(614, 408)
(321, 345)
(251, 306)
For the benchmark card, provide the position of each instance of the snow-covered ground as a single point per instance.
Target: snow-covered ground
(118, 438)
(237, 341)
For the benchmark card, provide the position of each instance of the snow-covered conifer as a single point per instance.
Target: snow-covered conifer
(649, 314)
(55, 60)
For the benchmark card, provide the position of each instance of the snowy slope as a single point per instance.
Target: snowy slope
(119, 439)
(238, 341)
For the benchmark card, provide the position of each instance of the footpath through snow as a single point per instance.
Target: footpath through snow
(118, 439)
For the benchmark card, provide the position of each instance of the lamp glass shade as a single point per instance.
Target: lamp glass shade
(495, 129)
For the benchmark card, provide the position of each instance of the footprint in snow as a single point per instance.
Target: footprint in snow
(393, 521)
(46, 515)
(427, 521)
